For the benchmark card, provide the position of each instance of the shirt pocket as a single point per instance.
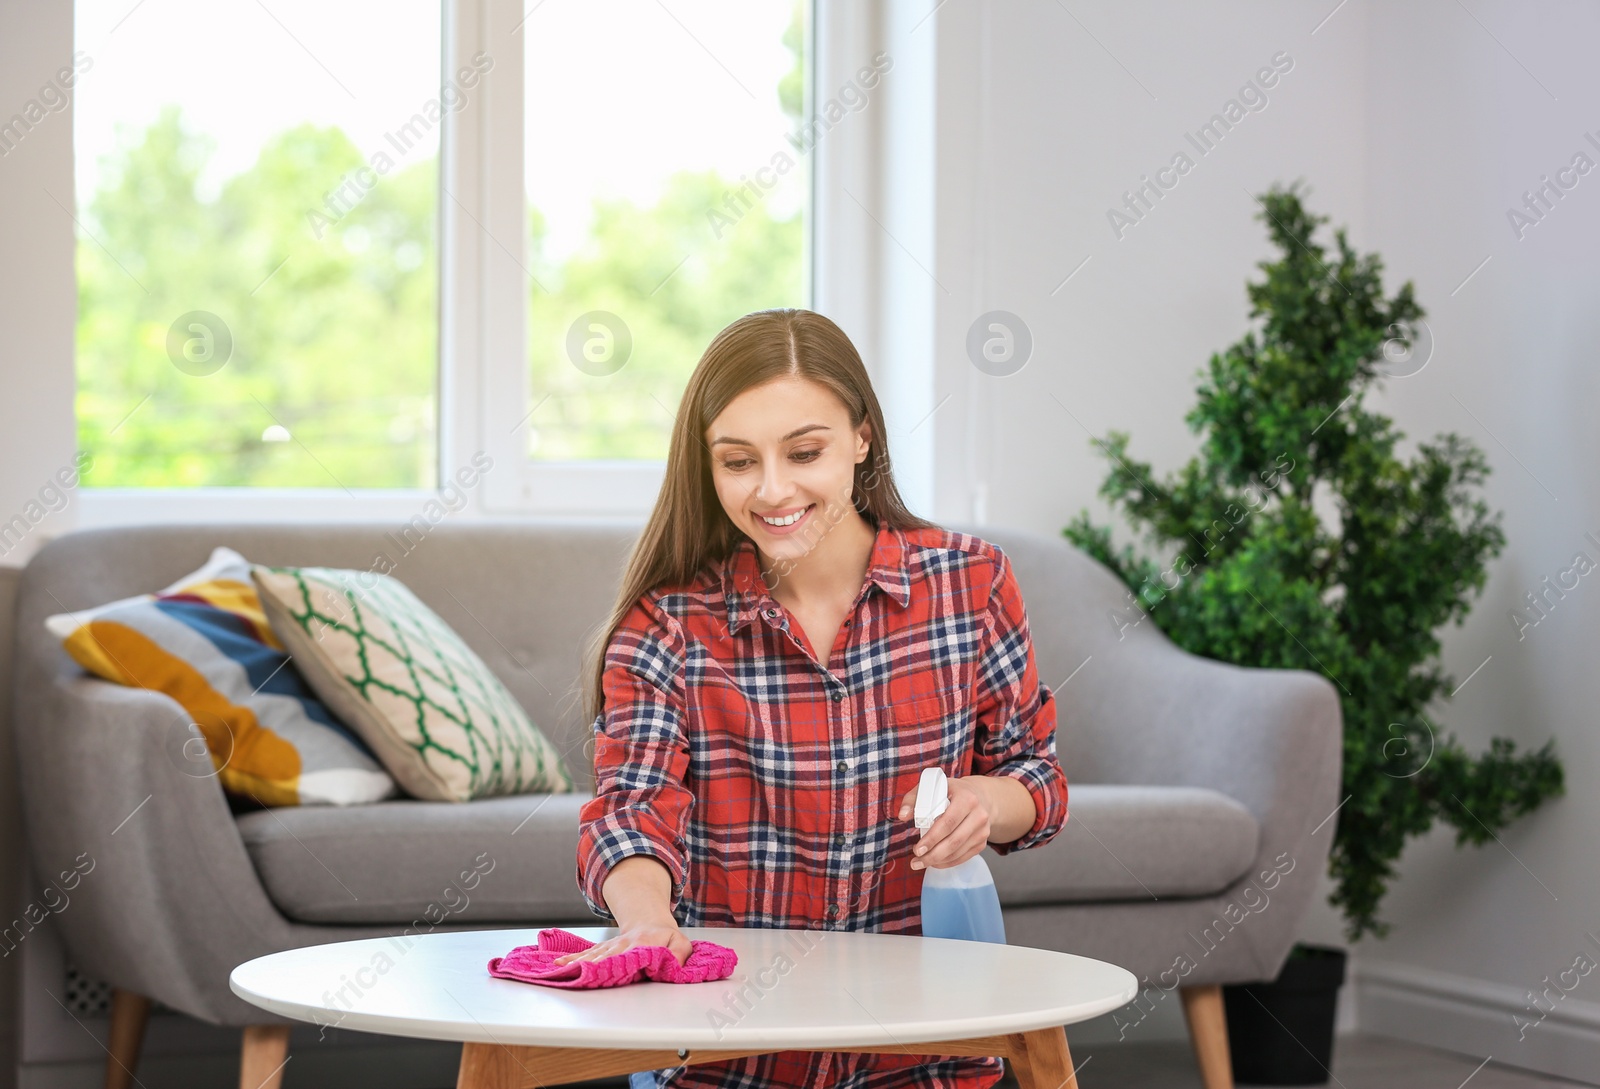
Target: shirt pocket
(922, 726)
(918, 715)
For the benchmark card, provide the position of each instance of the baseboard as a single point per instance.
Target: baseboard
(1559, 1036)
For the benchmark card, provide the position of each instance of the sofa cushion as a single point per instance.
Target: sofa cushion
(1133, 843)
(511, 859)
(440, 720)
(204, 642)
(514, 859)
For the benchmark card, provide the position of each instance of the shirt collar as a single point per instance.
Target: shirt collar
(745, 588)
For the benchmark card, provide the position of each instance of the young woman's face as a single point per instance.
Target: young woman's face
(782, 449)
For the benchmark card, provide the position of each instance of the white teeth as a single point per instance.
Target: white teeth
(789, 521)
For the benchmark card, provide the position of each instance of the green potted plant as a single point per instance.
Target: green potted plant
(1299, 538)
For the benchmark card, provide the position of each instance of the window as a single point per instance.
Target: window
(308, 259)
(257, 258)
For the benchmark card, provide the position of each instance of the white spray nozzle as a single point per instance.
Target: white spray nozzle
(933, 797)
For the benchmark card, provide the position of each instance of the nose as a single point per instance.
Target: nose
(774, 483)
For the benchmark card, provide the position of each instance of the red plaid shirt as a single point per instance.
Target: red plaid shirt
(767, 782)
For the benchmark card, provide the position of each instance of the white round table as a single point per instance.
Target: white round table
(811, 990)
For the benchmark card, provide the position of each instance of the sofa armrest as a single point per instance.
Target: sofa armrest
(1271, 738)
(166, 888)
(1153, 713)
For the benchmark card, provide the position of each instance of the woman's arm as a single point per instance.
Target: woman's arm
(1016, 795)
(1016, 728)
(1010, 805)
(631, 863)
(638, 891)
(641, 803)
(982, 808)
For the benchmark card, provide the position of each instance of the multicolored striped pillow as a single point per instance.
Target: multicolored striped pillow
(205, 642)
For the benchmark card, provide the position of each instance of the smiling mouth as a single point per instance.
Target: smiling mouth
(785, 522)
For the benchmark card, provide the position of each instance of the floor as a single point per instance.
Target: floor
(1360, 1061)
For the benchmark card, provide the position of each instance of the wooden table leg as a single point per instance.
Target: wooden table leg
(488, 1066)
(1042, 1060)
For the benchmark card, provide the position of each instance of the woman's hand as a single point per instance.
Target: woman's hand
(640, 934)
(958, 833)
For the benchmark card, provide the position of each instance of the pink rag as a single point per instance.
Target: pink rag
(535, 963)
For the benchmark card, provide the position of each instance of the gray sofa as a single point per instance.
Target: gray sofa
(1199, 791)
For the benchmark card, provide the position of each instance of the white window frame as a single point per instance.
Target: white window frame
(483, 299)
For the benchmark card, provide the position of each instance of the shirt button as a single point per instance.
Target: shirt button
(833, 909)
(838, 841)
(844, 765)
(837, 695)
(772, 614)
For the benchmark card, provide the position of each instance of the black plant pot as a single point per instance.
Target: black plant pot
(1281, 1033)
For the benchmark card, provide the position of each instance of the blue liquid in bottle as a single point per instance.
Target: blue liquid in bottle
(960, 902)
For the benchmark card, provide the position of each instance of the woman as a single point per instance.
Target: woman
(791, 647)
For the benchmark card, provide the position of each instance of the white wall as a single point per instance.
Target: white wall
(38, 304)
(1460, 120)
(1046, 128)
(1415, 125)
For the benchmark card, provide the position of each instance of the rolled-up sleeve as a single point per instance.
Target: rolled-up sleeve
(1016, 714)
(641, 757)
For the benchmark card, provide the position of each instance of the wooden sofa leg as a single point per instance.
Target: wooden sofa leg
(1208, 1033)
(129, 1012)
(261, 1062)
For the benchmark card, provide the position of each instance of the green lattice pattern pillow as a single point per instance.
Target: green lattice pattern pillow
(437, 718)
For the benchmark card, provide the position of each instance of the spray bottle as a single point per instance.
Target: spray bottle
(957, 901)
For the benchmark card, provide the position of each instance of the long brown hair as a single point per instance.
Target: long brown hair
(688, 529)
